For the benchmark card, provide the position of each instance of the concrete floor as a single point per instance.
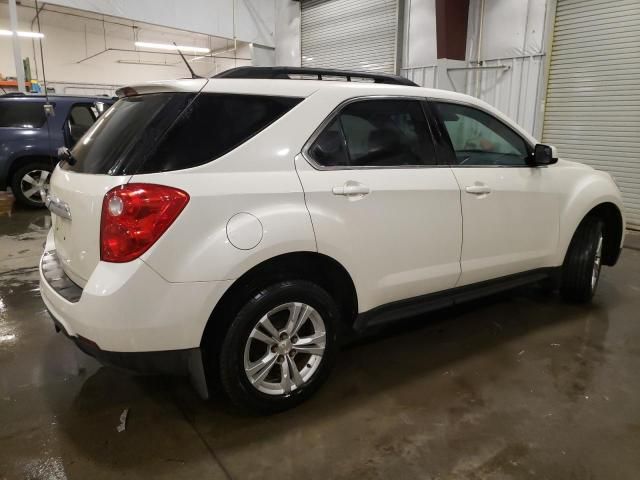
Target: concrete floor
(516, 386)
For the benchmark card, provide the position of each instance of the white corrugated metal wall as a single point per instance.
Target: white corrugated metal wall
(592, 111)
(350, 34)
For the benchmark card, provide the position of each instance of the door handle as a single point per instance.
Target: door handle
(351, 189)
(478, 189)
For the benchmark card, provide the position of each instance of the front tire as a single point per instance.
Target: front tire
(280, 347)
(30, 183)
(583, 262)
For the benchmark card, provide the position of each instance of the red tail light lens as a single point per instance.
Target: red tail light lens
(134, 216)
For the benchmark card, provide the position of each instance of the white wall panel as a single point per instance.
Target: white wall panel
(510, 28)
(287, 33)
(420, 41)
(254, 19)
(70, 40)
(423, 76)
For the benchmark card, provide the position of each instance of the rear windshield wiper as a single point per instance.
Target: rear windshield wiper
(64, 155)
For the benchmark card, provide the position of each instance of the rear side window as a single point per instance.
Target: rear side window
(215, 124)
(120, 140)
(170, 131)
(376, 133)
(22, 114)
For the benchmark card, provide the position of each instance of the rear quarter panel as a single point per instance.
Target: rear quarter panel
(258, 178)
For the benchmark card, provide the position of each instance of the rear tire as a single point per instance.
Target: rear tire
(583, 262)
(30, 182)
(280, 347)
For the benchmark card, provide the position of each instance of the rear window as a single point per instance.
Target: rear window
(22, 114)
(171, 131)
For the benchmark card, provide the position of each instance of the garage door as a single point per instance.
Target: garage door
(350, 34)
(593, 100)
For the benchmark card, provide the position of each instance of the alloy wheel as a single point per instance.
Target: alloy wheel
(34, 185)
(285, 348)
(597, 264)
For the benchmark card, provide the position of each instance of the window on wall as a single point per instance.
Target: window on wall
(376, 133)
(479, 139)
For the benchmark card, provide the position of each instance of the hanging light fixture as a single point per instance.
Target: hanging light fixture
(174, 48)
(9, 33)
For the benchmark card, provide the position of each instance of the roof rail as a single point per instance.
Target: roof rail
(279, 73)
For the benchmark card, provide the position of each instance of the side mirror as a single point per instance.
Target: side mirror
(545, 154)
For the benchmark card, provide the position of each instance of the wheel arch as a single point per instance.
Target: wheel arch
(611, 215)
(319, 268)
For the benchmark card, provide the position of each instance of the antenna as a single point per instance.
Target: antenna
(193, 74)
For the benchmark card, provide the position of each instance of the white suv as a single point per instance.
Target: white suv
(238, 228)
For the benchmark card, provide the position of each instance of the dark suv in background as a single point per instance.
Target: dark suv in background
(29, 138)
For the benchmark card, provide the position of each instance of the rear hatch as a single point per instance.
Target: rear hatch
(111, 151)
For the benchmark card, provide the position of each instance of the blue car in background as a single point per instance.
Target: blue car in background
(30, 138)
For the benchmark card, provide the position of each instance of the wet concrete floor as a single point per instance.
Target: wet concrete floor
(520, 385)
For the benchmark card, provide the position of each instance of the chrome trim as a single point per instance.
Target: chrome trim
(57, 206)
(305, 149)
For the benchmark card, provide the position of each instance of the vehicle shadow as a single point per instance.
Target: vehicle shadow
(404, 365)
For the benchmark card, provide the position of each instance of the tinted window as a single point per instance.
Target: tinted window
(330, 148)
(120, 140)
(22, 114)
(82, 116)
(169, 131)
(376, 133)
(481, 139)
(215, 124)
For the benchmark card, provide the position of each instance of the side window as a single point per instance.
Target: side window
(21, 114)
(82, 116)
(481, 139)
(376, 133)
(213, 125)
(330, 148)
(80, 120)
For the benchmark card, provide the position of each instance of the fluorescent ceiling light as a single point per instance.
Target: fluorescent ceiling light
(175, 48)
(9, 33)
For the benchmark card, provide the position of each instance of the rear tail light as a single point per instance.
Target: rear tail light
(134, 216)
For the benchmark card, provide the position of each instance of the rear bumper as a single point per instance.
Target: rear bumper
(127, 307)
(172, 362)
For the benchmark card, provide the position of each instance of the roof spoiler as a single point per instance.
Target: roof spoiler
(285, 73)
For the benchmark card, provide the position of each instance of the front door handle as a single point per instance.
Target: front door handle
(351, 189)
(478, 189)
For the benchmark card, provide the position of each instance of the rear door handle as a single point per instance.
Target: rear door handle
(351, 189)
(478, 189)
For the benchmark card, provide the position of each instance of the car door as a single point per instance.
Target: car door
(509, 208)
(379, 202)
